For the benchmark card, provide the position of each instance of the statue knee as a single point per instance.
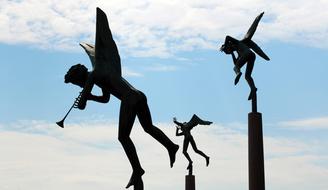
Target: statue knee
(123, 138)
(148, 129)
(248, 77)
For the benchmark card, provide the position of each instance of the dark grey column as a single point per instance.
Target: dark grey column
(255, 152)
(190, 182)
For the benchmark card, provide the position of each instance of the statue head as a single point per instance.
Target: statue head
(227, 48)
(77, 75)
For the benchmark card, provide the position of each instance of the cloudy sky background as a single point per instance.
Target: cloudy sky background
(169, 50)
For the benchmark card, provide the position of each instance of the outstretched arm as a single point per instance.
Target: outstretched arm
(178, 123)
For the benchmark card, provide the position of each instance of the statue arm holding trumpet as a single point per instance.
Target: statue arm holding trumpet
(79, 75)
(178, 127)
(87, 95)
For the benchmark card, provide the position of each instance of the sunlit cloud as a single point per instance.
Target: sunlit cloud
(38, 155)
(127, 72)
(308, 123)
(162, 68)
(161, 28)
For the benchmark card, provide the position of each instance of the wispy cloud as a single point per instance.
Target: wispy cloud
(130, 73)
(161, 68)
(38, 155)
(308, 123)
(160, 28)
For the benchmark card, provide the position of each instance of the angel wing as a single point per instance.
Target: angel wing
(248, 38)
(106, 52)
(90, 50)
(251, 44)
(195, 120)
(253, 27)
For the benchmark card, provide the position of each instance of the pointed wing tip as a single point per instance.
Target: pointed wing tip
(261, 15)
(83, 45)
(99, 11)
(264, 56)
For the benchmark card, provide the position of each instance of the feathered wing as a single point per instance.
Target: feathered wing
(195, 120)
(106, 50)
(253, 27)
(90, 50)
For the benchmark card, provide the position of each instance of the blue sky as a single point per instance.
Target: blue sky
(169, 50)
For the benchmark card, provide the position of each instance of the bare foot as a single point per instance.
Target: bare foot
(172, 154)
(207, 160)
(189, 166)
(136, 179)
(252, 94)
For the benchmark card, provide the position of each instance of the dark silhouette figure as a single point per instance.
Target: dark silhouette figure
(185, 129)
(245, 55)
(106, 74)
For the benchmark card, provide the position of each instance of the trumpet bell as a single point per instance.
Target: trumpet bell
(60, 123)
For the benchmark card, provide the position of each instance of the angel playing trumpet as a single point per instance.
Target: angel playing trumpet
(107, 75)
(184, 129)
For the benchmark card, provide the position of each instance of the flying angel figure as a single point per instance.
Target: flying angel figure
(185, 129)
(244, 49)
(107, 75)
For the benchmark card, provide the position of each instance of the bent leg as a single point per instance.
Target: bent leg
(193, 144)
(249, 69)
(248, 75)
(145, 120)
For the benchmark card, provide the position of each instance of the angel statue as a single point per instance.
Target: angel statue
(185, 129)
(107, 75)
(245, 55)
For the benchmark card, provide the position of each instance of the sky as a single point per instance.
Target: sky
(169, 51)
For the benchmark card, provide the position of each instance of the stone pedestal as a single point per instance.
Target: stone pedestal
(190, 182)
(255, 152)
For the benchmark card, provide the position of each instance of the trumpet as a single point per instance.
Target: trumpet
(76, 102)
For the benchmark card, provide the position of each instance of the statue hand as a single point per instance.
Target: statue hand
(80, 103)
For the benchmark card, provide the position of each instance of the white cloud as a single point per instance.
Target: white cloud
(308, 124)
(161, 28)
(38, 155)
(162, 67)
(130, 73)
